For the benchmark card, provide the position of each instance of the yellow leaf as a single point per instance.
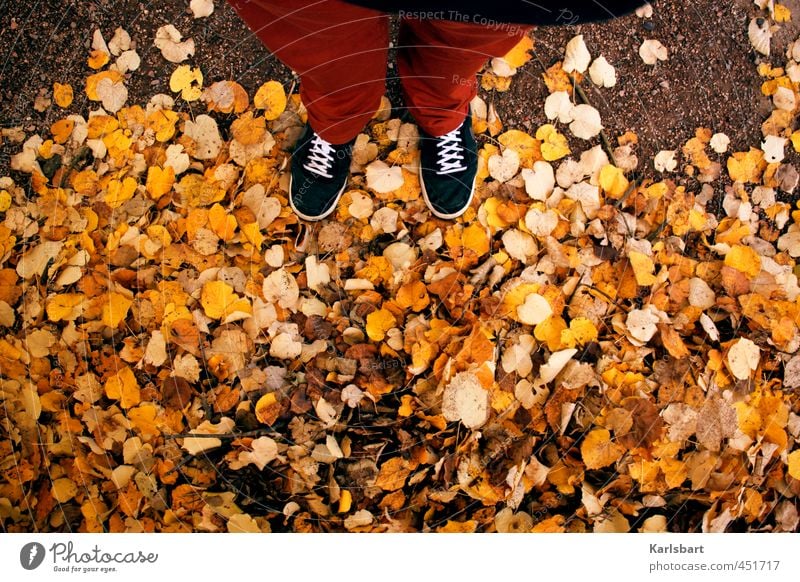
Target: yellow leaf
(794, 464)
(731, 231)
(345, 501)
(162, 122)
(643, 268)
(98, 59)
(196, 190)
(613, 181)
(378, 323)
(526, 147)
(553, 524)
(115, 309)
(66, 307)
(248, 130)
(221, 222)
(598, 450)
(122, 386)
(118, 144)
(5, 200)
(406, 407)
(581, 331)
(253, 234)
(746, 166)
(520, 54)
(795, 137)
(492, 82)
(8, 351)
(451, 526)
(646, 473)
(695, 150)
(554, 145)
(196, 219)
(377, 269)
(675, 471)
(64, 489)
(744, 259)
(557, 79)
(120, 192)
(62, 95)
(159, 181)
(551, 331)
(219, 301)
(188, 80)
(101, 125)
(143, 420)
(749, 419)
(781, 13)
(268, 408)
(474, 237)
(516, 296)
(271, 98)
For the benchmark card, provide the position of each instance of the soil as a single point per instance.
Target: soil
(710, 79)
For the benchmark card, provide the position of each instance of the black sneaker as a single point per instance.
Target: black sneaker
(319, 175)
(447, 170)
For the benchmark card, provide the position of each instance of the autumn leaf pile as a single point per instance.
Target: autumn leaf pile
(591, 347)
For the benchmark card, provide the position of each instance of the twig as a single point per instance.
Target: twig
(249, 433)
(585, 99)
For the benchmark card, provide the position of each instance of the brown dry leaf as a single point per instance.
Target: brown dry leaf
(393, 474)
(716, 421)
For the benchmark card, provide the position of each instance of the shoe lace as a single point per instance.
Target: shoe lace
(320, 157)
(450, 153)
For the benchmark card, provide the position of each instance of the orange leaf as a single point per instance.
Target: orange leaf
(248, 130)
(62, 129)
(413, 295)
(62, 95)
(159, 181)
(221, 222)
(98, 59)
(123, 386)
(378, 323)
(393, 474)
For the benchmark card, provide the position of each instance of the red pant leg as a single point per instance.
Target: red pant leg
(338, 49)
(438, 61)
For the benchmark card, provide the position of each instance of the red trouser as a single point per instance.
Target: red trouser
(340, 52)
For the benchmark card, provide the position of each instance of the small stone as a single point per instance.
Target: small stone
(648, 25)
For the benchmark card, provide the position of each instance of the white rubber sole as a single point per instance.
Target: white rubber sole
(315, 218)
(438, 214)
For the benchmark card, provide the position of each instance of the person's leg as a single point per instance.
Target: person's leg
(338, 49)
(438, 61)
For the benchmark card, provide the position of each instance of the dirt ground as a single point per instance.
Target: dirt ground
(709, 80)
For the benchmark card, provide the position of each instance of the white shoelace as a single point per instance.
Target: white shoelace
(450, 153)
(320, 157)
